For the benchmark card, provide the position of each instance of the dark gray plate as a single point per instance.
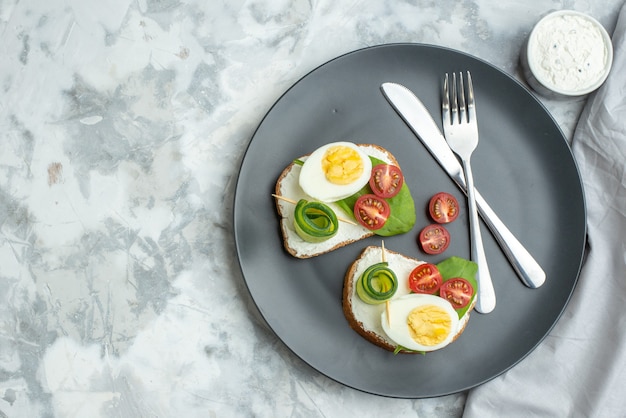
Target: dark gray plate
(523, 167)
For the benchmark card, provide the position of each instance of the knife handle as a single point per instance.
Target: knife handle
(522, 261)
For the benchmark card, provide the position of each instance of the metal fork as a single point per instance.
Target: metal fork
(461, 132)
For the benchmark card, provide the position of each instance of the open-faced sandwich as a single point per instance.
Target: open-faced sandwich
(405, 305)
(339, 194)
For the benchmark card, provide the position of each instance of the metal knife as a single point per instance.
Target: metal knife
(417, 117)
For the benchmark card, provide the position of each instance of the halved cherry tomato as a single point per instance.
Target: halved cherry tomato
(425, 278)
(386, 180)
(434, 239)
(457, 291)
(371, 211)
(443, 208)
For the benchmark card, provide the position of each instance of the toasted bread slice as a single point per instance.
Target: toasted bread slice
(288, 186)
(364, 318)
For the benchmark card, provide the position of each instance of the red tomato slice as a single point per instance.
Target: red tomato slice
(457, 291)
(434, 239)
(425, 278)
(371, 211)
(443, 208)
(386, 180)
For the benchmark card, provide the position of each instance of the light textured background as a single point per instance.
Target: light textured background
(123, 125)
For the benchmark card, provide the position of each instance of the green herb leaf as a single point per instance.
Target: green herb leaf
(401, 348)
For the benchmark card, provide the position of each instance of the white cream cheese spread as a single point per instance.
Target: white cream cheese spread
(568, 52)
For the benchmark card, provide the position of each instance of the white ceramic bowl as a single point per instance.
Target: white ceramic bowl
(567, 54)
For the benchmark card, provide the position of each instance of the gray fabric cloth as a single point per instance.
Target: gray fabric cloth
(579, 370)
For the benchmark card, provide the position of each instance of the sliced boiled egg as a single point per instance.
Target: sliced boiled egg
(420, 322)
(335, 171)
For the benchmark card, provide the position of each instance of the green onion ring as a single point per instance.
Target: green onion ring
(377, 284)
(315, 221)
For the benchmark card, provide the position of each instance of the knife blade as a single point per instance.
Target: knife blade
(417, 117)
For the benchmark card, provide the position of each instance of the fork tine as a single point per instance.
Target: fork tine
(458, 99)
(445, 102)
(462, 107)
(471, 109)
(455, 102)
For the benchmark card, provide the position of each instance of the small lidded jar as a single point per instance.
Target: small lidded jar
(567, 54)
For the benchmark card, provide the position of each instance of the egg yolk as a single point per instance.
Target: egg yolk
(342, 165)
(429, 324)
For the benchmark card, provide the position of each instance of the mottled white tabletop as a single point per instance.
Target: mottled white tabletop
(123, 127)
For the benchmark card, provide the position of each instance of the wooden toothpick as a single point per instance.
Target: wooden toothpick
(383, 251)
(286, 199)
(384, 256)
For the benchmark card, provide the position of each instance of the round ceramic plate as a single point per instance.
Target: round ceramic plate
(523, 167)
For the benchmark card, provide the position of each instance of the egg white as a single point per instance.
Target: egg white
(396, 326)
(313, 179)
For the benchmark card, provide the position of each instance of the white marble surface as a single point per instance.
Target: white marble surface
(123, 125)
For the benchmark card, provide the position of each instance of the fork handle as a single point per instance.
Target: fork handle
(486, 298)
